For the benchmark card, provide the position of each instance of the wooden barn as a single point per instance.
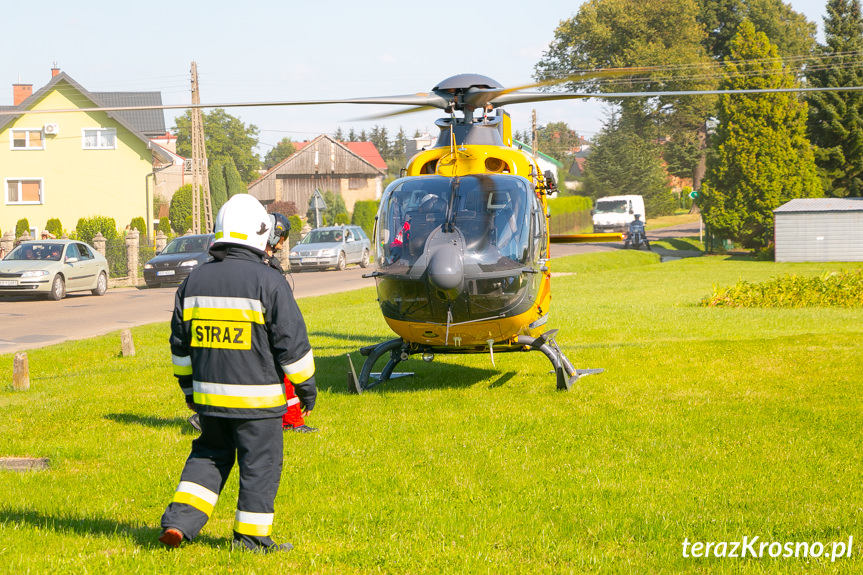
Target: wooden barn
(356, 170)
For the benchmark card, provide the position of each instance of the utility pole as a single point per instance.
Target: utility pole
(200, 173)
(534, 143)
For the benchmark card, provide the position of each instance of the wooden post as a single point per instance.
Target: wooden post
(20, 372)
(127, 344)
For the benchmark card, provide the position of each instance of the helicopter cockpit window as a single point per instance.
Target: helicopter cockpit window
(414, 209)
(493, 213)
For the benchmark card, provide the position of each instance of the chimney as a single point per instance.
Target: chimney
(55, 70)
(21, 92)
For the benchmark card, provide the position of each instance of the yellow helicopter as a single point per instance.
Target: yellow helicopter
(463, 244)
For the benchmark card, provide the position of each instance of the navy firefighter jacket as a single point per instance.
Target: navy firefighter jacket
(236, 332)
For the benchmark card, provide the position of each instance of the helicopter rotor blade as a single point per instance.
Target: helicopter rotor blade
(423, 99)
(523, 97)
(413, 110)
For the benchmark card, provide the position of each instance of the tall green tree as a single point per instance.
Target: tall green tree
(284, 149)
(233, 180)
(380, 138)
(836, 118)
(666, 36)
(621, 163)
(399, 144)
(225, 137)
(762, 157)
(218, 187)
(789, 31)
(339, 135)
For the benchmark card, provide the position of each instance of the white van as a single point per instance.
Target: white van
(614, 213)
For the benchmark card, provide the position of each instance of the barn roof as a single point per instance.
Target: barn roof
(822, 205)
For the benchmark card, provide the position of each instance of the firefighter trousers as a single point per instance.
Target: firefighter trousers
(256, 445)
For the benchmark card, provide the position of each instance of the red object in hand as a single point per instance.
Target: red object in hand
(294, 416)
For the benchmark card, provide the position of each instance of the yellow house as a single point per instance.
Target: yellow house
(74, 165)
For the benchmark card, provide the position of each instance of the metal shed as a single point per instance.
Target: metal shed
(819, 230)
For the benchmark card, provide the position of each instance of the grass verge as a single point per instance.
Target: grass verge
(709, 424)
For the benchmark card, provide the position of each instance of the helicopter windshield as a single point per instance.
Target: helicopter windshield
(491, 212)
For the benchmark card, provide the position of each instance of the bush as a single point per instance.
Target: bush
(22, 226)
(836, 289)
(296, 227)
(55, 227)
(364, 215)
(165, 226)
(140, 225)
(181, 208)
(287, 209)
(88, 227)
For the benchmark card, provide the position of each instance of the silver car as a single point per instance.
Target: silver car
(53, 268)
(331, 247)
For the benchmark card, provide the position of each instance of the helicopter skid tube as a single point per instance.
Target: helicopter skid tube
(396, 349)
(563, 368)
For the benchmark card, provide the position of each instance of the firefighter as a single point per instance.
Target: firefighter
(293, 420)
(235, 333)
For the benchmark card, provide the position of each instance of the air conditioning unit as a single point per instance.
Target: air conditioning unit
(52, 129)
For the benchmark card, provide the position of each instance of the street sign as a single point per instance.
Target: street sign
(693, 194)
(318, 202)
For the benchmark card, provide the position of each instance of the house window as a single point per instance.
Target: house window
(27, 139)
(356, 183)
(24, 191)
(99, 138)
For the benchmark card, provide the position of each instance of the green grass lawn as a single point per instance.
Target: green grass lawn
(709, 424)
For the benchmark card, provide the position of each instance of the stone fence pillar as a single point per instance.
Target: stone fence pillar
(8, 242)
(132, 255)
(99, 242)
(161, 241)
(25, 237)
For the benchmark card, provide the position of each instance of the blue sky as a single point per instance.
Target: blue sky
(291, 51)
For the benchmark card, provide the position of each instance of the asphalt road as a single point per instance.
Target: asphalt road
(28, 323)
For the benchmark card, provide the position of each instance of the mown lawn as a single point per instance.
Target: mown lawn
(708, 424)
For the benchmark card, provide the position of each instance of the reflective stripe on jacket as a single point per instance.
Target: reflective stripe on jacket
(235, 333)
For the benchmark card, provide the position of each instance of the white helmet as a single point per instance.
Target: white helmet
(243, 221)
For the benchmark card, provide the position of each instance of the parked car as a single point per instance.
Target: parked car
(181, 256)
(53, 268)
(331, 247)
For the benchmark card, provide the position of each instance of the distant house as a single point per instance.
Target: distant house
(354, 169)
(73, 165)
(546, 162)
(819, 230)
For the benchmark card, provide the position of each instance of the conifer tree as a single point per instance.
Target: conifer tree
(233, 181)
(218, 188)
(836, 118)
(762, 157)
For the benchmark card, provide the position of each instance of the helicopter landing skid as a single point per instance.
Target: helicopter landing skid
(398, 351)
(563, 368)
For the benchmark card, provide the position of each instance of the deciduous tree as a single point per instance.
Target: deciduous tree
(284, 149)
(225, 137)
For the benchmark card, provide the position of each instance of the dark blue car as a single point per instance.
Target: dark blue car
(173, 264)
